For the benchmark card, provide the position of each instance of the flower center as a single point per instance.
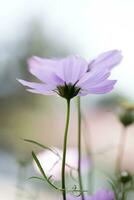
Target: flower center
(68, 91)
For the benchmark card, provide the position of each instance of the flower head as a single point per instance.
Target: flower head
(102, 194)
(72, 76)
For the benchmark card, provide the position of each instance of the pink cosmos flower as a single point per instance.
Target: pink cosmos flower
(72, 76)
(51, 163)
(102, 194)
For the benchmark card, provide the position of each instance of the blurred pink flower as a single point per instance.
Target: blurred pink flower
(102, 194)
(51, 163)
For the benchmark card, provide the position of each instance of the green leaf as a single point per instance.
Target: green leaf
(43, 173)
(113, 185)
(50, 149)
(36, 177)
(48, 178)
(42, 146)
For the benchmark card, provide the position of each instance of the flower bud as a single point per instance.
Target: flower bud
(127, 116)
(125, 177)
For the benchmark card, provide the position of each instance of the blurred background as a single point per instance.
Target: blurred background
(49, 28)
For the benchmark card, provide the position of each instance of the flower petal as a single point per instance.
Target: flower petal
(44, 70)
(93, 77)
(37, 87)
(39, 92)
(73, 68)
(102, 88)
(106, 60)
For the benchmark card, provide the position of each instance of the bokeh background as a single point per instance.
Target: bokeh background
(57, 28)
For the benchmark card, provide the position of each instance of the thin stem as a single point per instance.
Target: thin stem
(87, 141)
(79, 147)
(123, 193)
(121, 149)
(91, 164)
(64, 151)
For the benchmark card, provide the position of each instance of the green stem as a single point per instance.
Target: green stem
(79, 147)
(64, 151)
(90, 159)
(123, 195)
(122, 144)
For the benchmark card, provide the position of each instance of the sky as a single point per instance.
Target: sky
(86, 27)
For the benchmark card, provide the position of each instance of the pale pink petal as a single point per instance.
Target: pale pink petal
(73, 68)
(92, 78)
(102, 88)
(40, 92)
(106, 60)
(44, 71)
(37, 87)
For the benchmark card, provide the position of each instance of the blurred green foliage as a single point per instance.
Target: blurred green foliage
(17, 107)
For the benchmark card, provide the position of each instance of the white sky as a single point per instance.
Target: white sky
(88, 27)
